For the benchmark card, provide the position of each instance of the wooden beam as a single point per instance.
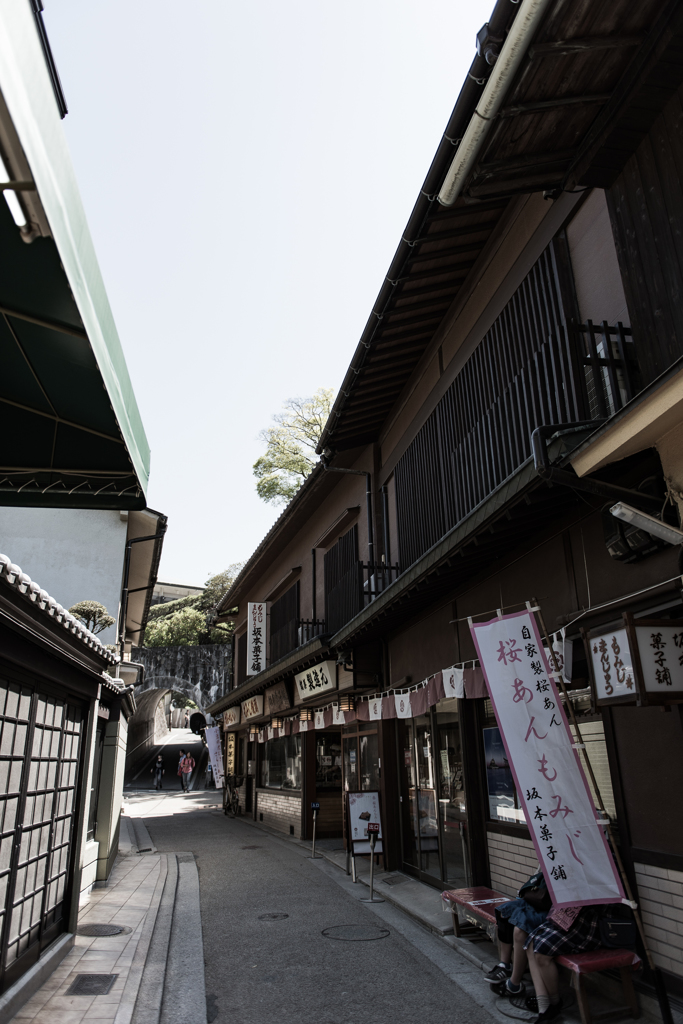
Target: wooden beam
(563, 47)
(559, 101)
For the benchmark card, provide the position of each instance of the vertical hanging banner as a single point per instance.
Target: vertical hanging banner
(213, 742)
(256, 637)
(571, 847)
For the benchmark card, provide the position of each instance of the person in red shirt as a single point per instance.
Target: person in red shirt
(185, 769)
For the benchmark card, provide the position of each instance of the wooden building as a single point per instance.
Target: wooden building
(520, 375)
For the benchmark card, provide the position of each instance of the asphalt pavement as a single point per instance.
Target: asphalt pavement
(287, 940)
(142, 777)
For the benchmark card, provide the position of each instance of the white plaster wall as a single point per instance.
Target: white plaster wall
(74, 554)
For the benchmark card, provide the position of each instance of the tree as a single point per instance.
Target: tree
(93, 615)
(290, 446)
(187, 621)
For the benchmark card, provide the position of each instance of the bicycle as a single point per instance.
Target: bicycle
(231, 803)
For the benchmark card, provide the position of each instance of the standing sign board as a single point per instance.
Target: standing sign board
(551, 786)
(256, 637)
(213, 742)
(363, 808)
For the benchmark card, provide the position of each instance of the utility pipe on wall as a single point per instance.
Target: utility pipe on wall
(512, 52)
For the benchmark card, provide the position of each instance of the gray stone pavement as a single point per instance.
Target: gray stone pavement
(260, 970)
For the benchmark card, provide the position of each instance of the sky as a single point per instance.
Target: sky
(247, 170)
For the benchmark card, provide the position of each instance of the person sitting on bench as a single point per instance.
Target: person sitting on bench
(566, 930)
(515, 920)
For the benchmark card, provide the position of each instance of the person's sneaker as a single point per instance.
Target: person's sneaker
(553, 1011)
(501, 972)
(523, 1001)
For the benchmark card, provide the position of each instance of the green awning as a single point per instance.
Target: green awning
(69, 423)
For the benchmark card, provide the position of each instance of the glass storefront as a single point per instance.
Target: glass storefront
(328, 761)
(281, 763)
(361, 758)
(433, 809)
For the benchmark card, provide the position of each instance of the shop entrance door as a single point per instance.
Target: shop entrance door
(433, 815)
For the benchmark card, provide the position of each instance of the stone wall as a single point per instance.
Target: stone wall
(203, 673)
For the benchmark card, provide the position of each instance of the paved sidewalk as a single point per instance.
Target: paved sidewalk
(130, 900)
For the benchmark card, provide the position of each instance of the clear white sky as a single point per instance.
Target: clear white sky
(247, 170)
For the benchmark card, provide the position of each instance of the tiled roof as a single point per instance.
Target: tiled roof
(23, 584)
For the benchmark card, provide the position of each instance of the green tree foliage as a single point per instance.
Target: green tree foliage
(93, 615)
(290, 446)
(187, 621)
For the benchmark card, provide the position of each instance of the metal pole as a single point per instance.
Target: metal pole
(315, 817)
(372, 898)
(662, 996)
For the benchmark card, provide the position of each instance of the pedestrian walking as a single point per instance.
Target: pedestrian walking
(186, 768)
(158, 771)
(181, 755)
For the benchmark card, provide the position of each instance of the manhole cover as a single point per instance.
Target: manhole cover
(92, 985)
(272, 917)
(104, 929)
(250, 847)
(355, 932)
(394, 880)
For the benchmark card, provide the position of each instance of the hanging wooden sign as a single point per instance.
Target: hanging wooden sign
(639, 663)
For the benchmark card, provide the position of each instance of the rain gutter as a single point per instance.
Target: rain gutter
(514, 48)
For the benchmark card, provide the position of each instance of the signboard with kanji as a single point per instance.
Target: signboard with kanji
(277, 699)
(658, 654)
(571, 846)
(318, 679)
(231, 718)
(613, 674)
(256, 637)
(253, 707)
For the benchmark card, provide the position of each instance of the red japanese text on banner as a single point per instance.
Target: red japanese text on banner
(571, 846)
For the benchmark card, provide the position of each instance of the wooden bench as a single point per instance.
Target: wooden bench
(478, 905)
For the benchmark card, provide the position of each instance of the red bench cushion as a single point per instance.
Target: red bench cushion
(479, 899)
(599, 960)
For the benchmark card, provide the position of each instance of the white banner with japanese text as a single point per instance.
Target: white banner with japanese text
(213, 742)
(256, 637)
(551, 786)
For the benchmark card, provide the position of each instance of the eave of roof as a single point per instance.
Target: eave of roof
(103, 452)
(46, 607)
(593, 79)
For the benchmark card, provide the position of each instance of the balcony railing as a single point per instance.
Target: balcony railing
(359, 586)
(293, 634)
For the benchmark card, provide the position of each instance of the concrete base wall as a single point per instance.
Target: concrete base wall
(111, 795)
(512, 860)
(280, 810)
(89, 867)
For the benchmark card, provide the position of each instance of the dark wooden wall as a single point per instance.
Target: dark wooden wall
(646, 209)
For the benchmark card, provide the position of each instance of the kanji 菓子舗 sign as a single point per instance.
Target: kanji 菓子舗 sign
(551, 786)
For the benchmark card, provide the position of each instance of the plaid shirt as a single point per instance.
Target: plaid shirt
(187, 765)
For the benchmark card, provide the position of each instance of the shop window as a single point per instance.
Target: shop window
(281, 763)
(328, 759)
(504, 804)
(361, 762)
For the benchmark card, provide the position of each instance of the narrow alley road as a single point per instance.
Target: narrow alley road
(177, 740)
(267, 909)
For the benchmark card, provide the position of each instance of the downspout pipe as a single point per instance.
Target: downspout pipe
(368, 501)
(512, 52)
(601, 488)
(126, 574)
